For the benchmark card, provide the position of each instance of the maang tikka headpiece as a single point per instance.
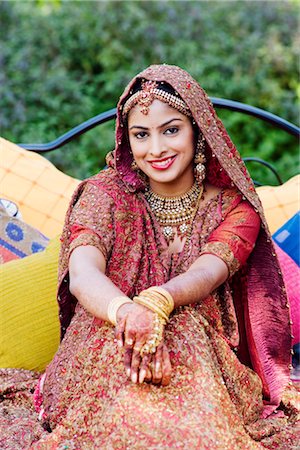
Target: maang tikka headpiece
(149, 92)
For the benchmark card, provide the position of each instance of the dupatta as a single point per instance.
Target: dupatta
(261, 304)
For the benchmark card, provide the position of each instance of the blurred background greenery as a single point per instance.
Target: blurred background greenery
(63, 62)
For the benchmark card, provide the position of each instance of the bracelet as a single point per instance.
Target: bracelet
(166, 295)
(156, 338)
(157, 300)
(113, 307)
(161, 297)
(145, 301)
(161, 303)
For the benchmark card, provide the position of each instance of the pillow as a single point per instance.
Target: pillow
(42, 191)
(288, 239)
(291, 276)
(18, 239)
(280, 203)
(28, 310)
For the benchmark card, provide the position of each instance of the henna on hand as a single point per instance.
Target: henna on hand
(134, 328)
(162, 367)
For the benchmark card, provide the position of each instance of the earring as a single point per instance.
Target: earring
(134, 166)
(200, 159)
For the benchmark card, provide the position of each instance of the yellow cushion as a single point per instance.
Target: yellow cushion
(29, 334)
(41, 191)
(280, 202)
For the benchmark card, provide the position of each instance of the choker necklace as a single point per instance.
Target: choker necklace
(175, 214)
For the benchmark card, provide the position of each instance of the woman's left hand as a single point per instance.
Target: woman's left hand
(153, 368)
(161, 366)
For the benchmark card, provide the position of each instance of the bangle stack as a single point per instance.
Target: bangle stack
(113, 307)
(158, 300)
(161, 303)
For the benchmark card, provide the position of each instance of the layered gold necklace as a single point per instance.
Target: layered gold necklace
(175, 214)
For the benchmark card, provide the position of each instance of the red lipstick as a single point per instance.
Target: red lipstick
(163, 163)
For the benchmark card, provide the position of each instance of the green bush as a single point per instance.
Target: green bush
(64, 62)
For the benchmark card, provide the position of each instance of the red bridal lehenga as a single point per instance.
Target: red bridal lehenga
(229, 353)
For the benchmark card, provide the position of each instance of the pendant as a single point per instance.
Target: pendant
(183, 228)
(168, 232)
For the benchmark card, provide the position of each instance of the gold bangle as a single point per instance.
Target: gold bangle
(158, 300)
(144, 301)
(113, 307)
(166, 294)
(162, 293)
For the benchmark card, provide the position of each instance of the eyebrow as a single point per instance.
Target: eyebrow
(160, 126)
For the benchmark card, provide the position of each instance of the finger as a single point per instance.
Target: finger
(119, 331)
(148, 377)
(157, 365)
(144, 368)
(138, 345)
(127, 361)
(129, 337)
(166, 367)
(135, 365)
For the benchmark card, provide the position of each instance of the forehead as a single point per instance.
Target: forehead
(159, 112)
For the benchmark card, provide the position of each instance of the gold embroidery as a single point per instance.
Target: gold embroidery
(88, 239)
(224, 252)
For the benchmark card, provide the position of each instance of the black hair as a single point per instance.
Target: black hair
(163, 86)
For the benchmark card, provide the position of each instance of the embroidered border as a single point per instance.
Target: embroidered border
(223, 251)
(88, 239)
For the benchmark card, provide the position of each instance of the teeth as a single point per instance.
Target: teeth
(162, 163)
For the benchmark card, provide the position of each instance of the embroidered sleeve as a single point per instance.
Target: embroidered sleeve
(91, 221)
(234, 239)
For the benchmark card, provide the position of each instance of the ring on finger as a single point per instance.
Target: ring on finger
(129, 342)
(137, 348)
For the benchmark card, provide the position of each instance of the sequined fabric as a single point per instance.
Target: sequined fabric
(229, 353)
(212, 396)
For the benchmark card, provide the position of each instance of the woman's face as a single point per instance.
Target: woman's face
(162, 143)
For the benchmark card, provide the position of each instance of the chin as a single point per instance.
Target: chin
(172, 177)
(167, 179)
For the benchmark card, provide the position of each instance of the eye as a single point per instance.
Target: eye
(141, 134)
(172, 130)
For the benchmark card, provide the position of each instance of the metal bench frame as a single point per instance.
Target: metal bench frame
(231, 105)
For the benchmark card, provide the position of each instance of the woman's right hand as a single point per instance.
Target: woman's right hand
(134, 326)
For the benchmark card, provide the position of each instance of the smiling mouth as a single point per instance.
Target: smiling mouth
(162, 164)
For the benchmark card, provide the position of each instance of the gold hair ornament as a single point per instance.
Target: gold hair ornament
(148, 94)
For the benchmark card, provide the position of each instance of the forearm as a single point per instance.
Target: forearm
(202, 278)
(94, 291)
(89, 284)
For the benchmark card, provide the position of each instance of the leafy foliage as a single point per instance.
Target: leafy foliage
(64, 62)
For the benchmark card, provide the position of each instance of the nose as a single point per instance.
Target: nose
(157, 146)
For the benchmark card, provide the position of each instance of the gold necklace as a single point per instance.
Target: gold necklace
(175, 212)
